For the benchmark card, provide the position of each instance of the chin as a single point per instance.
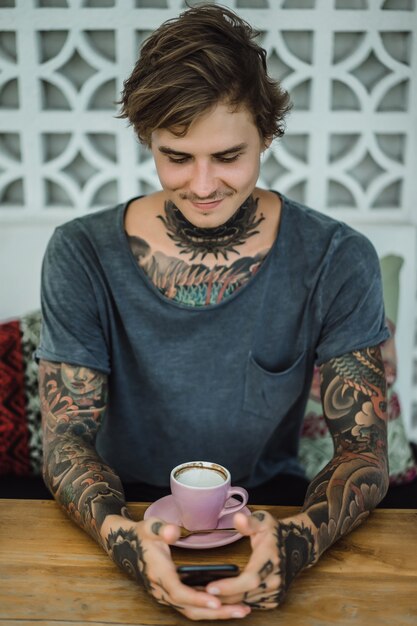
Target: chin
(210, 219)
(206, 221)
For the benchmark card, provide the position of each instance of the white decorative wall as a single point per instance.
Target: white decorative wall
(350, 148)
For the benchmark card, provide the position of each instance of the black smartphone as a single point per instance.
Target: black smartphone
(202, 575)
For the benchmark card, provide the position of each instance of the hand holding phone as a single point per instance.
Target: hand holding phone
(202, 575)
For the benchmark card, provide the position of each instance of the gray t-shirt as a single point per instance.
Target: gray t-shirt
(226, 382)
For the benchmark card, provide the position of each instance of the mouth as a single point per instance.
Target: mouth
(206, 206)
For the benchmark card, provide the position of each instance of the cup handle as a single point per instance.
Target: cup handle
(238, 491)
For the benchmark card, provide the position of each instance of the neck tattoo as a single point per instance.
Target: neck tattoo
(217, 241)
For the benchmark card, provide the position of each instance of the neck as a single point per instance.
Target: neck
(220, 240)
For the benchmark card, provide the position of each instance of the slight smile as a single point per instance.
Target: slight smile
(206, 205)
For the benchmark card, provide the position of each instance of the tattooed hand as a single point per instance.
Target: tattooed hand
(141, 549)
(280, 551)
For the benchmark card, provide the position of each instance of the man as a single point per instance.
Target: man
(185, 325)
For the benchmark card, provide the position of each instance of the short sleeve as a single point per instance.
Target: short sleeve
(71, 328)
(351, 298)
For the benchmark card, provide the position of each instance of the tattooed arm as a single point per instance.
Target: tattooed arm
(339, 498)
(73, 401)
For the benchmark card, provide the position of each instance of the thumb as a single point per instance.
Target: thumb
(157, 529)
(249, 524)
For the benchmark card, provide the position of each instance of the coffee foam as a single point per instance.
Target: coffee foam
(200, 477)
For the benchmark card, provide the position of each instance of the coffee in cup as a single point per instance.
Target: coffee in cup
(201, 490)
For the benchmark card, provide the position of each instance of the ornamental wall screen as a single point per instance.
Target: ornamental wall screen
(350, 66)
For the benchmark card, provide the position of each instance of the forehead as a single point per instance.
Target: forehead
(215, 130)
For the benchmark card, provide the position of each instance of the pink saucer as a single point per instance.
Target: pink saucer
(166, 510)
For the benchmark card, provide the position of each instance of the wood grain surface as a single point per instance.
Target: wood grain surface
(52, 573)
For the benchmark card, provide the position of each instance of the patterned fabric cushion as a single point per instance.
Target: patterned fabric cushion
(14, 435)
(30, 326)
(316, 445)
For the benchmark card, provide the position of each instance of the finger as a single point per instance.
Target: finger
(181, 597)
(266, 600)
(236, 587)
(156, 528)
(243, 524)
(237, 611)
(263, 562)
(250, 524)
(260, 593)
(259, 570)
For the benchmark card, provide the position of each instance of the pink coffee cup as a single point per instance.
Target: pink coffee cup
(201, 490)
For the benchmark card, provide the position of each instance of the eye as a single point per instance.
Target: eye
(178, 160)
(229, 159)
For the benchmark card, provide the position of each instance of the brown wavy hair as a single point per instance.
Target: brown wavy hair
(191, 63)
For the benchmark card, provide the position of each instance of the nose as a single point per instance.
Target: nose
(203, 183)
(80, 374)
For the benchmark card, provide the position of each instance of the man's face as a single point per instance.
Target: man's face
(210, 171)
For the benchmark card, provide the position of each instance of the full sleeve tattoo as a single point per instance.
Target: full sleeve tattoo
(73, 400)
(340, 497)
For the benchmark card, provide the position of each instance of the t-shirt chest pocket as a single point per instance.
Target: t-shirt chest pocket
(271, 394)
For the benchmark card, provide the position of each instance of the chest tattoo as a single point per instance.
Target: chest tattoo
(193, 284)
(219, 241)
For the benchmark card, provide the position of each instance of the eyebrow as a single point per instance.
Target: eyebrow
(222, 153)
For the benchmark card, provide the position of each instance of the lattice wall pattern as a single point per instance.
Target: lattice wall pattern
(347, 63)
(350, 65)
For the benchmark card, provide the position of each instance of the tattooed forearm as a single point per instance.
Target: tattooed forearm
(73, 400)
(356, 479)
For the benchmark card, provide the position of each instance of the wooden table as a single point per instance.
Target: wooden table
(52, 573)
